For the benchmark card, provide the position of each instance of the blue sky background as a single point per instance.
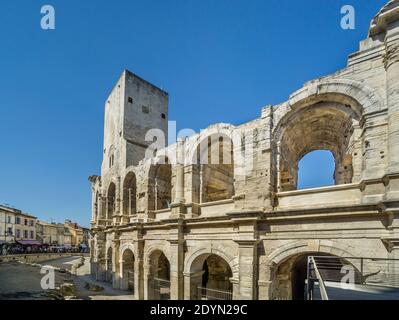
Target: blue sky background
(220, 61)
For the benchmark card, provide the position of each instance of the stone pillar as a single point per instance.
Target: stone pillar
(236, 288)
(93, 205)
(192, 281)
(177, 207)
(247, 269)
(265, 283)
(115, 264)
(100, 258)
(394, 264)
(100, 214)
(176, 269)
(123, 285)
(391, 63)
(106, 201)
(147, 276)
(139, 282)
(180, 171)
(118, 212)
(278, 166)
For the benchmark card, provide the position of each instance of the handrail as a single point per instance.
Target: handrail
(323, 290)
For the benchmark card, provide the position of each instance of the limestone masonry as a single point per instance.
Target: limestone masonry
(169, 226)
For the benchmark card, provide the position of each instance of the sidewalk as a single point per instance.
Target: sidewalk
(83, 277)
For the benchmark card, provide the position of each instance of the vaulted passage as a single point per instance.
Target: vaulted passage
(210, 278)
(159, 277)
(127, 282)
(129, 195)
(328, 126)
(110, 208)
(215, 158)
(291, 275)
(160, 185)
(109, 274)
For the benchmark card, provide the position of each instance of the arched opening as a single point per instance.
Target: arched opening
(210, 278)
(109, 273)
(110, 203)
(291, 274)
(316, 169)
(216, 168)
(160, 185)
(159, 276)
(129, 195)
(321, 126)
(127, 282)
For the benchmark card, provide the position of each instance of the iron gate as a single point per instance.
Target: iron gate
(213, 294)
(130, 280)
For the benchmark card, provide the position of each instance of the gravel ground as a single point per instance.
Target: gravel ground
(22, 282)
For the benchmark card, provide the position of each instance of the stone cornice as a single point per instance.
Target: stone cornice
(390, 243)
(387, 14)
(249, 243)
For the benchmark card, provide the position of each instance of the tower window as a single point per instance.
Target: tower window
(163, 116)
(111, 161)
(130, 99)
(145, 109)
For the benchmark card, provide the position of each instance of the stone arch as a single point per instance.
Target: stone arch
(211, 153)
(209, 274)
(279, 255)
(324, 115)
(110, 201)
(230, 259)
(129, 194)
(195, 141)
(361, 97)
(153, 248)
(109, 264)
(160, 184)
(282, 264)
(127, 267)
(111, 156)
(158, 274)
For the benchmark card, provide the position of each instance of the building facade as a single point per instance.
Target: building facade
(68, 234)
(220, 211)
(16, 225)
(76, 233)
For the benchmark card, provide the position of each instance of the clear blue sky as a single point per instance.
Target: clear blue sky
(220, 61)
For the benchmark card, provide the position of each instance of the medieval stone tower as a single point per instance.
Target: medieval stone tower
(133, 108)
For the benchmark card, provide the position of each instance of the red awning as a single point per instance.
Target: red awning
(30, 242)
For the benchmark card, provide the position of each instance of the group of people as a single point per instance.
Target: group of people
(9, 249)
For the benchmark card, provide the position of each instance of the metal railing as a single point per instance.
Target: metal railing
(213, 294)
(160, 289)
(331, 275)
(130, 280)
(314, 274)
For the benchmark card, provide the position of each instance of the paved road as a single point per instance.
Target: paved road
(19, 281)
(22, 281)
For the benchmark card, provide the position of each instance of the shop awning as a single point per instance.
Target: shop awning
(29, 242)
